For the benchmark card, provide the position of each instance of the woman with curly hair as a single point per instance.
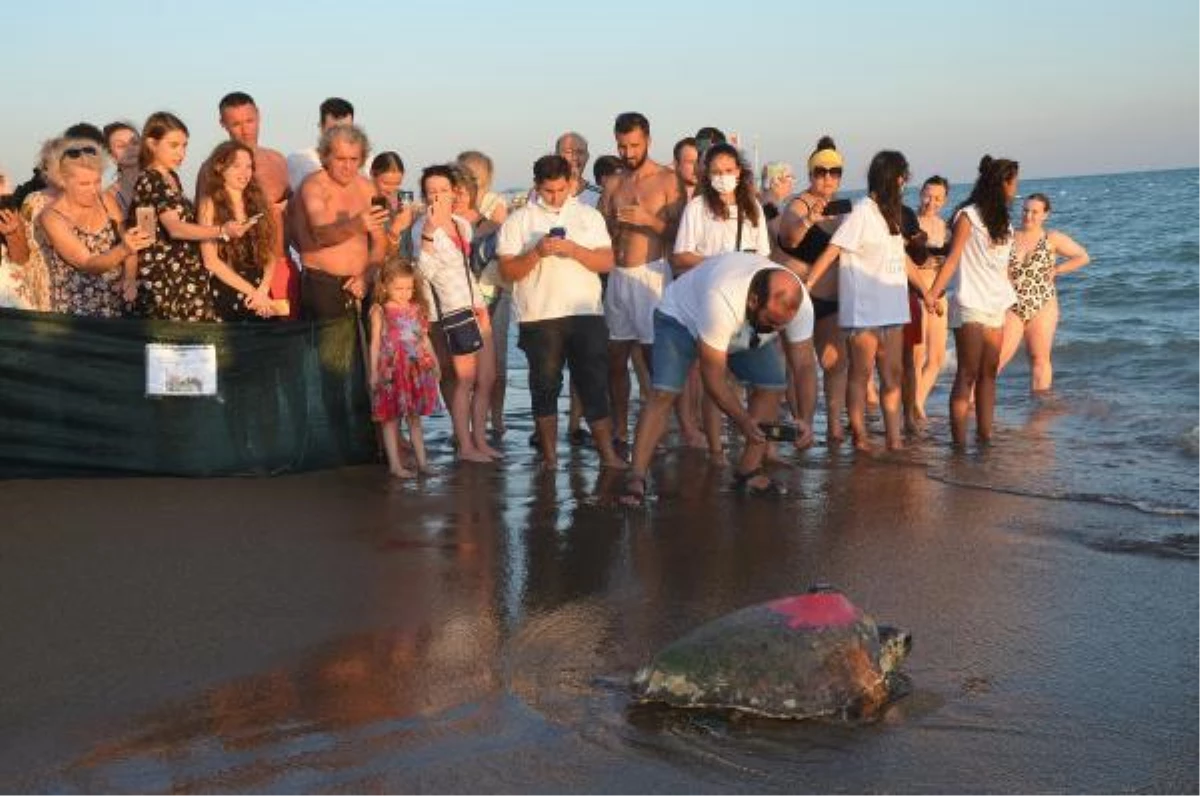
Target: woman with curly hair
(243, 266)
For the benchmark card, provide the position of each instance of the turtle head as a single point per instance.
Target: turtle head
(894, 646)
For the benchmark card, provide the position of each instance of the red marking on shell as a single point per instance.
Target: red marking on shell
(816, 610)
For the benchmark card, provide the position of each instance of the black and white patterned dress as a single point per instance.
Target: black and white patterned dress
(173, 283)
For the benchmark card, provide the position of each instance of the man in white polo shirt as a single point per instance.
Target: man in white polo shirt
(728, 312)
(553, 250)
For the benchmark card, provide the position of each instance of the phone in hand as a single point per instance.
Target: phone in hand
(838, 207)
(254, 219)
(557, 232)
(147, 221)
(380, 202)
(779, 432)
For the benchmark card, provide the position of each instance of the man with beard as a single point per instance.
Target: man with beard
(642, 210)
(729, 313)
(687, 156)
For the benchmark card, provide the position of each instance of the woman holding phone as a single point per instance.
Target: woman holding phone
(805, 229)
(387, 175)
(244, 266)
(462, 332)
(173, 283)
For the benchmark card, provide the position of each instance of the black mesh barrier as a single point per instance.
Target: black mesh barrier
(73, 400)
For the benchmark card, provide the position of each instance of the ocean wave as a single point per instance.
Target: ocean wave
(1176, 545)
(1119, 501)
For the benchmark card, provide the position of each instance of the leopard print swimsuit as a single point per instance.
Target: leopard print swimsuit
(1033, 279)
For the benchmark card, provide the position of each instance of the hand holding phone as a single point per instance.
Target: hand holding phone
(557, 232)
(836, 207)
(147, 221)
(779, 432)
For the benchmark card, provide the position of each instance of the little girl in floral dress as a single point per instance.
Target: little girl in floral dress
(403, 369)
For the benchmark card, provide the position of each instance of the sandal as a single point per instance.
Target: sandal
(635, 490)
(742, 485)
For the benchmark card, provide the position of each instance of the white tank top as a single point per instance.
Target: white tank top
(982, 278)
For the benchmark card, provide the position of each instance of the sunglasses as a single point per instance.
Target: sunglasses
(821, 171)
(79, 151)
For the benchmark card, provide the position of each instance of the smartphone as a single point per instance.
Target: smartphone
(557, 232)
(838, 207)
(380, 202)
(147, 221)
(404, 197)
(779, 432)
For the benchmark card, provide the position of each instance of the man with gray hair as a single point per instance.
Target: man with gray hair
(335, 229)
(574, 148)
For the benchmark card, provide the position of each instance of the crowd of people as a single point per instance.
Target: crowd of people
(728, 294)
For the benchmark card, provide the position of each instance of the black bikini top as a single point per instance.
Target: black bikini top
(810, 246)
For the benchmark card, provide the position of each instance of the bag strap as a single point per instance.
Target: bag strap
(737, 246)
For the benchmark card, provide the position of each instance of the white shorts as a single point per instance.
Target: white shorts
(960, 315)
(632, 296)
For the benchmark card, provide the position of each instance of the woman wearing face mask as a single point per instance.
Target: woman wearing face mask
(804, 231)
(122, 141)
(173, 283)
(92, 264)
(1033, 269)
(723, 216)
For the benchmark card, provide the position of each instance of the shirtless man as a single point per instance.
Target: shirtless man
(641, 210)
(240, 118)
(337, 232)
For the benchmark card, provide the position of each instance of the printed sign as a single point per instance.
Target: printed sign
(181, 370)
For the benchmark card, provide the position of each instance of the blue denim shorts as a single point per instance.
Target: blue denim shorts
(675, 350)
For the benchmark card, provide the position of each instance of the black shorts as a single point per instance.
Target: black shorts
(579, 341)
(322, 297)
(823, 308)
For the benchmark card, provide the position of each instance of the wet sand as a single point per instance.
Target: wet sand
(334, 632)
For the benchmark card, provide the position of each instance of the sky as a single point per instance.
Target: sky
(1066, 87)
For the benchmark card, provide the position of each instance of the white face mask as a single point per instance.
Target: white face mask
(724, 183)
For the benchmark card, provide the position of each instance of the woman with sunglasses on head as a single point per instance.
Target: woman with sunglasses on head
(979, 252)
(804, 231)
(873, 279)
(173, 283)
(92, 263)
(1033, 269)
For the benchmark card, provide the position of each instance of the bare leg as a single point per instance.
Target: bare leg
(831, 354)
(390, 429)
(687, 410)
(764, 408)
(418, 443)
(861, 348)
(889, 357)
(602, 433)
(1014, 330)
(618, 385)
(714, 422)
(640, 356)
(968, 341)
(547, 428)
(935, 353)
(652, 422)
(985, 386)
(1039, 339)
(460, 408)
(481, 396)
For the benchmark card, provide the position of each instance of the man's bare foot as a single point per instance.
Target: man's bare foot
(635, 490)
(862, 443)
(895, 444)
(402, 472)
(488, 450)
(427, 469)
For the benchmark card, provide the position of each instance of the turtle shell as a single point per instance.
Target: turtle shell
(809, 655)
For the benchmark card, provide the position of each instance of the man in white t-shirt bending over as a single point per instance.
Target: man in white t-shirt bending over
(728, 312)
(553, 250)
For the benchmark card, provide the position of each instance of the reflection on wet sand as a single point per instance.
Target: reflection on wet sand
(483, 627)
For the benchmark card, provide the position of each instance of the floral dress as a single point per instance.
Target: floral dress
(407, 369)
(75, 292)
(173, 283)
(1033, 279)
(35, 274)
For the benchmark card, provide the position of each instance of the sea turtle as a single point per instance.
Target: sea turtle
(809, 655)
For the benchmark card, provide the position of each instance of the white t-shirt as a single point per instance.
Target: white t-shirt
(981, 281)
(557, 287)
(710, 301)
(445, 271)
(300, 165)
(702, 234)
(872, 284)
(590, 195)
